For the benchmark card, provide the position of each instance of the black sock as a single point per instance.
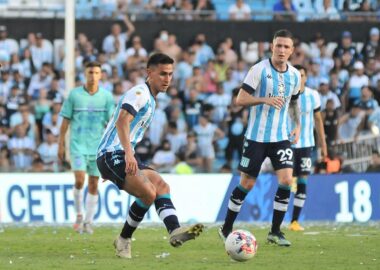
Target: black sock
(299, 198)
(166, 211)
(135, 216)
(280, 205)
(234, 204)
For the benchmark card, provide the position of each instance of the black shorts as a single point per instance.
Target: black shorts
(254, 153)
(302, 161)
(111, 166)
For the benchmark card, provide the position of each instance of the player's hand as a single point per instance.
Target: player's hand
(130, 164)
(295, 134)
(61, 152)
(276, 102)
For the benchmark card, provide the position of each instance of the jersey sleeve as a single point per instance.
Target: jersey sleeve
(297, 85)
(134, 100)
(317, 101)
(252, 79)
(67, 107)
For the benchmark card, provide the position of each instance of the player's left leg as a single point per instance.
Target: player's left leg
(281, 156)
(167, 212)
(302, 169)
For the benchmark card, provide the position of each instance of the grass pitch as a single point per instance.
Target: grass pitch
(330, 246)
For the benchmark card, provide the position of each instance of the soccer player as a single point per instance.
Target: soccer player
(87, 111)
(309, 103)
(117, 161)
(271, 89)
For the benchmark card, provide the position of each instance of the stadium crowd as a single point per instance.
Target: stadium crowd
(196, 127)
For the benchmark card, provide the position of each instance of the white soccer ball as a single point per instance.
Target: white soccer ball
(241, 245)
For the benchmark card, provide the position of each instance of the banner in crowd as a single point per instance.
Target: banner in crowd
(48, 198)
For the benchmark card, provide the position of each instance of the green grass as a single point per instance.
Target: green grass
(320, 247)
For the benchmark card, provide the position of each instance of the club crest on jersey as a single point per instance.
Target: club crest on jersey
(138, 93)
(281, 89)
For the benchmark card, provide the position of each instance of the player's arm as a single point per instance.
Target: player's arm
(320, 132)
(130, 26)
(245, 98)
(294, 112)
(122, 124)
(61, 139)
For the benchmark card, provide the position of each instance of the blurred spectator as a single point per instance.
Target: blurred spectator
(136, 9)
(210, 80)
(357, 80)
(196, 81)
(230, 56)
(41, 107)
(203, 51)
(37, 165)
(326, 10)
(176, 138)
(157, 128)
(207, 133)
(52, 120)
(346, 46)
(27, 120)
(220, 101)
(182, 167)
(333, 162)
(350, 124)
(371, 44)
(27, 63)
(184, 69)
(192, 108)
(375, 162)
(367, 104)
(325, 93)
(48, 151)
(236, 124)
(239, 11)
(136, 54)
(284, 10)
(116, 36)
(315, 77)
(7, 45)
(330, 118)
(40, 80)
(172, 49)
(15, 98)
(144, 149)
(186, 11)
(168, 9)
(374, 121)
(42, 51)
(230, 83)
(21, 148)
(5, 165)
(191, 151)
(325, 62)
(6, 84)
(105, 81)
(164, 159)
(55, 90)
(204, 9)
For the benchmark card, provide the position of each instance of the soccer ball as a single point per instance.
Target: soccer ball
(241, 245)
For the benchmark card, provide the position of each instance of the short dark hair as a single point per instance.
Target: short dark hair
(92, 64)
(159, 58)
(284, 33)
(300, 67)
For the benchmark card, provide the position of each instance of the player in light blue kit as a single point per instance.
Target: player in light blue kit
(271, 88)
(87, 111)
(309, 102)
(117, 161)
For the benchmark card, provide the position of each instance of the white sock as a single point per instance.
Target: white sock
(91, 207)
(78, 198)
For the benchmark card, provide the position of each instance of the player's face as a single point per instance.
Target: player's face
(93, 75)
(303, 80)
(282, 49)
(160, 77)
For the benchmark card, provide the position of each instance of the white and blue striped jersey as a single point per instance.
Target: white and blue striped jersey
(267, 124)
(139, 102)
(309, 102)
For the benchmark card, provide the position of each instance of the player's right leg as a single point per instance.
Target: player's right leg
(78, 200)
(250, 164)
(112, 167)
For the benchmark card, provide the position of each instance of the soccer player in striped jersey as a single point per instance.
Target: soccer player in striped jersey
(86, 110)
(117, 161)
(309, 103)
(271, 88)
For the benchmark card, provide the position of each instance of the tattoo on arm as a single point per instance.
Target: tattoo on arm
(294, 111)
